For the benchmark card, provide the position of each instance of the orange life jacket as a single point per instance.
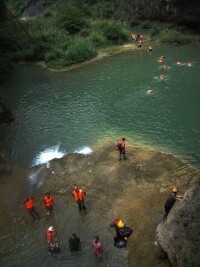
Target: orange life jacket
(50, 235)
(48, 201)
(29, 203)
(78, 195)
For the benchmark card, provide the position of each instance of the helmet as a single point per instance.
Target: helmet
(174, 190)
(51, 229)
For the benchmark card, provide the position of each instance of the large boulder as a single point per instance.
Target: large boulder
(179, 235)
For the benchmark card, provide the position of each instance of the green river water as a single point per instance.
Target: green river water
(68, 111)
(58, 113)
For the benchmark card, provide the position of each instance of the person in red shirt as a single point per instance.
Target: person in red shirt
(51, 234)
(49, 203)
(121, 146)
(30, 206)
(79, 195)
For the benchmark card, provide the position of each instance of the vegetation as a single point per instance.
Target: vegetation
(69, 33)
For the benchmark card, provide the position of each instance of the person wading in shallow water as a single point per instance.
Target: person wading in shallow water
(170, 201)
(79, 195)
(74, 243)
(29, 204)
(121, 146)
(49, 203)
(97, 247)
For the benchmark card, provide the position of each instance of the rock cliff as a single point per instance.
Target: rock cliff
(179, 236)
(187, 12)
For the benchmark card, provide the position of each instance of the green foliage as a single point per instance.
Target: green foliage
(115, 33)
(80, 50)
(104, 10)
(155, 31)
(70, 19)
(174, 36)
(146, 24)
(98, 39)
(134, 22)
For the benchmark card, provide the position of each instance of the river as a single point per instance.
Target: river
(58, 113)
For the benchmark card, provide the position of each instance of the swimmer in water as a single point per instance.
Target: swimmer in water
(150, 49)
(164, 66)
(178, 63)
(189, 64)
(150, 91)
(162, 77)
(161, 59)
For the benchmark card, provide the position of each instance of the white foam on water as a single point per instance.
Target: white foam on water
(86, 150)
(47, 155)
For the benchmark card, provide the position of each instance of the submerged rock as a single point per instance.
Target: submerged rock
(179, 236)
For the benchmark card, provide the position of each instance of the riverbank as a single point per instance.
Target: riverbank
(133, 190)
(102, 53)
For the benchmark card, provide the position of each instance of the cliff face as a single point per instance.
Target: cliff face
(179, 236)
(187, 12)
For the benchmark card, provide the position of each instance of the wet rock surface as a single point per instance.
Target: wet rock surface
(134, 190)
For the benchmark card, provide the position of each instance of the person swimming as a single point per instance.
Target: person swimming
(162, 77)
(150, 49)
(178, 63)
(161, 59)
(164, 66)
(189, 64)
(150, 91)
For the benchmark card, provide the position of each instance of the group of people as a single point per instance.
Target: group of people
(122, 232)
(139, 38)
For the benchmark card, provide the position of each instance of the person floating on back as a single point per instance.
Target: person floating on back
(170, 201)
(121, 147)
(30, 206)
(97, 247)
(49, 203)
(51, 234)
(79, 196)
(74, 243)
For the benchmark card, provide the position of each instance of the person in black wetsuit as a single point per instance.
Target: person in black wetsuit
(74, 243)
(170, 201)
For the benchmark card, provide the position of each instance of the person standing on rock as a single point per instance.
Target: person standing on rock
(49, 203)
(30, 206)
(79, 196)
(170, 201)
(121, 147)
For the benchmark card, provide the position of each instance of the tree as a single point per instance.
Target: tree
(70, 19)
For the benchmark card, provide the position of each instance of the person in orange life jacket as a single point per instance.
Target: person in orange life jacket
(79, 195)
(170, 201)
(51, 234)
(49, 203)
(122, 148)
(29, 204)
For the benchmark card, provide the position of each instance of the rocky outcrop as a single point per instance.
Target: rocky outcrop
(179, 236)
